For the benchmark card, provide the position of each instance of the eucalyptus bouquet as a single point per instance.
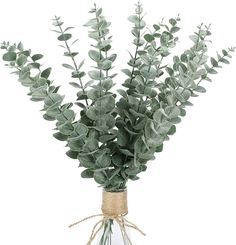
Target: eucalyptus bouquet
(118, 133)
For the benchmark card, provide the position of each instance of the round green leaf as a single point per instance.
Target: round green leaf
(96, 75)
(105, 122)
(134, 19)
(156, 27)
(66, 115)
(173, 22)
(95, 113)
(118, 159)
(46, 73)
(64, 37)
(9, 56)
(174, 29)
(68, 66)
(172, 130)
(53, 98)
(200, 89)
(60, 136)
(90, 145)
(86, 161)
(149, 38)
(76, 144)
(81, 128)
(94, 55)
(172, 111)
(66, 128)
(94, 94)
(186, 94)
(87, 173)
(122, 137)
(106, 65)
(107, 84)
(37, 57)
(148, 72)
(159, 148)
(107, 103)
(72, 154)
(100, 177)
(214, 62)
(103, 161)
(20, 46)
(21, 60)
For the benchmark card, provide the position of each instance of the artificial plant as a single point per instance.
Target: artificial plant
(119, 131)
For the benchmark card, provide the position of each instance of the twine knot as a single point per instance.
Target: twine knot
(115, 207)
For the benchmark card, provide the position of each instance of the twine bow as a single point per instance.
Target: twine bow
(114, 207)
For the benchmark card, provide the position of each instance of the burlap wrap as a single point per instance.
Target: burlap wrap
(114, 203)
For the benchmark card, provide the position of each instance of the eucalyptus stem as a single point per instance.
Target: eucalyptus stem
(100, 52)
(107, 233)
(72, 58)
(212, 67)
(138, 40)
(202, 38)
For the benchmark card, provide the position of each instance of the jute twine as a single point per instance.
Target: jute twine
(115, 207)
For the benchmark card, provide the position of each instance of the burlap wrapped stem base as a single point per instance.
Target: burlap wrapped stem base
(114, 209)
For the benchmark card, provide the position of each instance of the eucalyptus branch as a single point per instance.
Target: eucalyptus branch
(215, 63)
(100, 52)
(139, 11)
(101, 112)
(99, 31)
(151, 68)
(42, 89)
(139, 24)
(98, 13)
(76, 74)
(186, 69)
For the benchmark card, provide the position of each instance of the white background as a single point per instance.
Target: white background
(187, 195)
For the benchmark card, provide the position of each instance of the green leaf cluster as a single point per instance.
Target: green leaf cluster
(117, 134)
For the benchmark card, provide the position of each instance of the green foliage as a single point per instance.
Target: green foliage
(46, 73)
(149, 38)
(9, 56)
(116, 136)
(64, 37)
(76, 72)
(37, 57)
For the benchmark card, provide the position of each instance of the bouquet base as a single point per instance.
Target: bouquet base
(111, 234)
(112, 228)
